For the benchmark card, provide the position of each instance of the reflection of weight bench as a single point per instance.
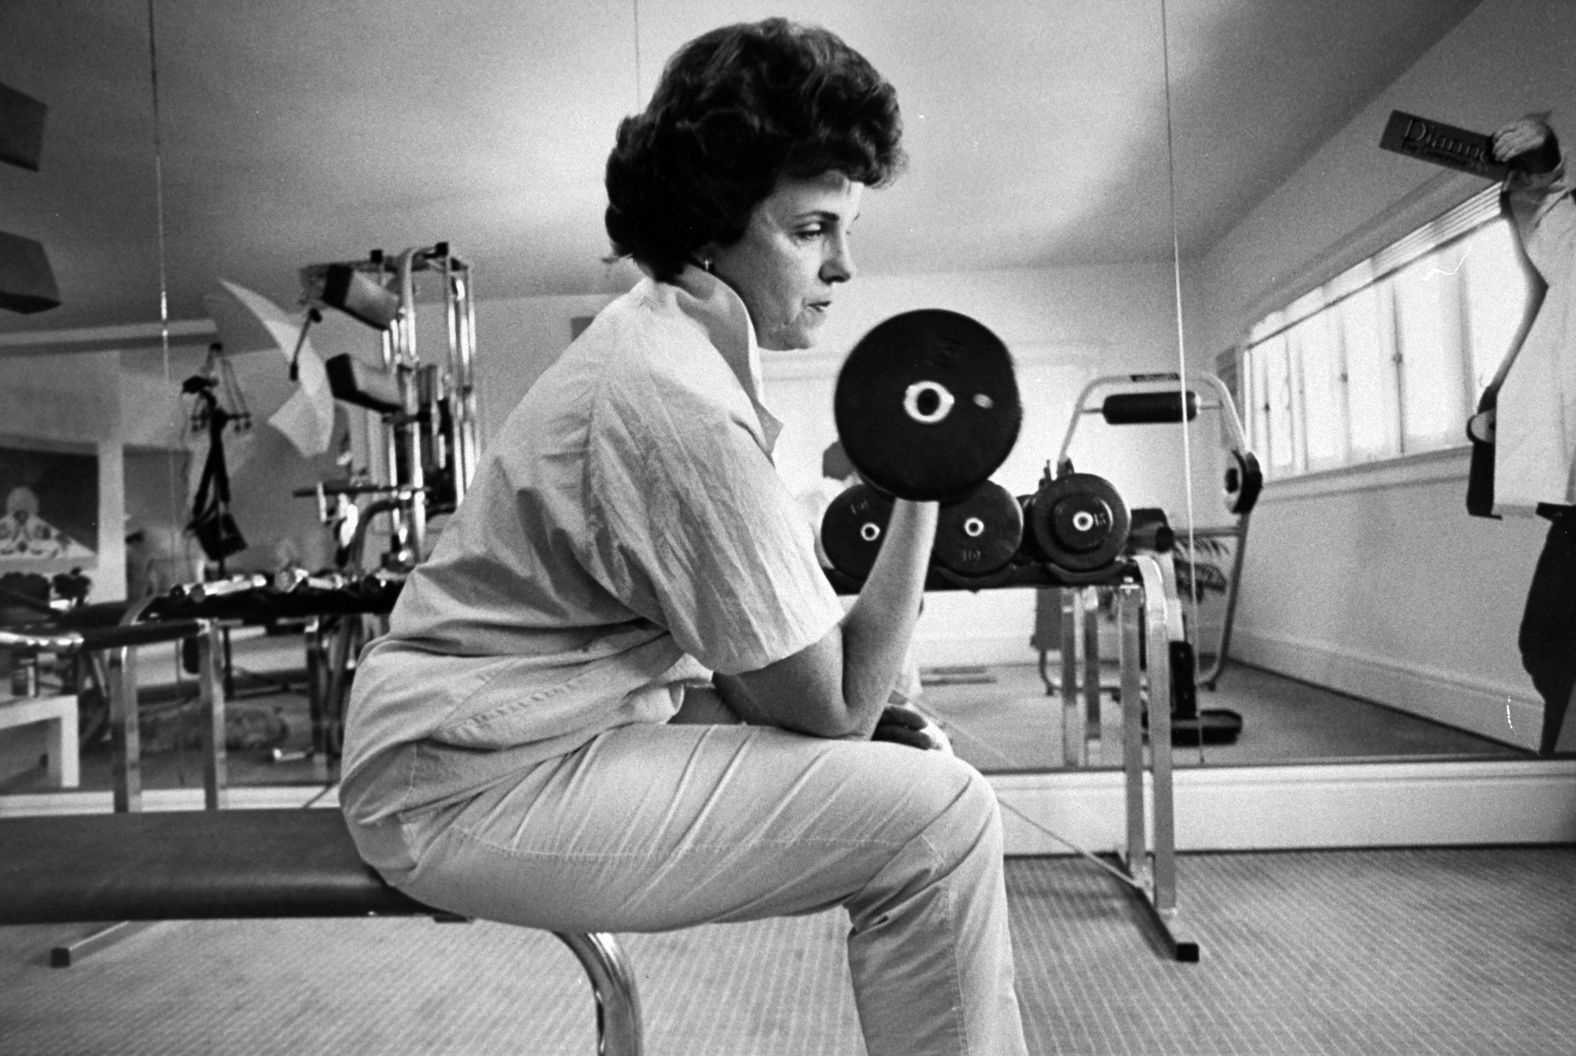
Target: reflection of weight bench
(1163, 399)
(232, 865)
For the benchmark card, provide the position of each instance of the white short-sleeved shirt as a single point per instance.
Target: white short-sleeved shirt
(626, 531)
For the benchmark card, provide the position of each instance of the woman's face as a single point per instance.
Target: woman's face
(794, 250)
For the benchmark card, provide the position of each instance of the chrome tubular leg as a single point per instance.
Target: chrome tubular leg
(211, 692)
(1074, 743)
(125, 733)
(613, 983)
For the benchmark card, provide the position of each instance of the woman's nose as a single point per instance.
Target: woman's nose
(839, 263)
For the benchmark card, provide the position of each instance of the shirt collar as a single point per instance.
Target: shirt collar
(715, 305)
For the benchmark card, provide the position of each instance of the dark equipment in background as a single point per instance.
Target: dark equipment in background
(211, 521)
(27, 282)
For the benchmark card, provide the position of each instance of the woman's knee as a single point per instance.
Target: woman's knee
(956, 809)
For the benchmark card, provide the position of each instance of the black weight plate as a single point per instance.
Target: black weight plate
(927, 405)
(1082, 522)
(1244, 481)
(1078, 522)
(852, 529)
(979, 534)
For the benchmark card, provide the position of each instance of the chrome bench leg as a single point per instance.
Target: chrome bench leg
(613, 983)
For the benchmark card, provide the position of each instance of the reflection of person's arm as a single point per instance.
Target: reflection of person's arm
(838, 686)
(1539, 178)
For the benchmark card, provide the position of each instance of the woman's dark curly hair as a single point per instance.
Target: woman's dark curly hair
(737, 109)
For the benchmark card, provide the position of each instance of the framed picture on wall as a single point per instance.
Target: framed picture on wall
(49, 522)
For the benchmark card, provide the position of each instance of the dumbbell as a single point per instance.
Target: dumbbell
(927, 408)
(1076, 525)
(976, 535)
(927, 405)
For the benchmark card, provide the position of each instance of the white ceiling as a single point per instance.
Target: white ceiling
(290, 132)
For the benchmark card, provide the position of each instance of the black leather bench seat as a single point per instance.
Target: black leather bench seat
(234, 864)
(187, 865)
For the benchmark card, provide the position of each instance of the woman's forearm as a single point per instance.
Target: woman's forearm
(880, 624)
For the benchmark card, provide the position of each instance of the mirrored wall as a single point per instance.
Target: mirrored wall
(1127, 195)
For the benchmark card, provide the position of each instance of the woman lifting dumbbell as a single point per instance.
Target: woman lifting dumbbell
(550, 733)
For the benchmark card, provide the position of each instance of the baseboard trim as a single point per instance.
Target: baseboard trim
(1304, 807)
(1506, 714)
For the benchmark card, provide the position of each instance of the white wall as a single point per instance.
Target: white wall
(1378, 582)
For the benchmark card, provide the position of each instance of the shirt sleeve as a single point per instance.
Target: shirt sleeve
(701, 533)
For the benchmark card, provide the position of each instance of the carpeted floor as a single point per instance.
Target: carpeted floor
(1396, 952)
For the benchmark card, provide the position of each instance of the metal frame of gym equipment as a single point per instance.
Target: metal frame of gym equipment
(429, 449)
(1147, 614)
(428, 414)
(1172, 403)
(1149, 619)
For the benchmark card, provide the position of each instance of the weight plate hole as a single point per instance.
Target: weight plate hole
(869, 531)
(973, 527)
(1083, 521)
(927, 402)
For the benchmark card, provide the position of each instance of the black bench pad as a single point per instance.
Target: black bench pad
(188, 865)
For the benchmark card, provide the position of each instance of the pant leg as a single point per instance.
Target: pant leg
(651, 828)
(1548, 626)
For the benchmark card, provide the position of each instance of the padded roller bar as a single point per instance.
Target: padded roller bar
(229, 865)
(1149, 408)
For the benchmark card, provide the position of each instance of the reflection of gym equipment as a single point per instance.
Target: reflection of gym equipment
(927, 408)
(1076, 523)
(336, 608)
(428, 413)
(1154, 399)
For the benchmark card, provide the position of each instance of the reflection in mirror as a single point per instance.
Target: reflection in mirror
(1039, 200)
(1359, 300)
(85, 468)
(289, 142)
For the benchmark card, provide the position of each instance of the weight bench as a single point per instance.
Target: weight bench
(238, 864)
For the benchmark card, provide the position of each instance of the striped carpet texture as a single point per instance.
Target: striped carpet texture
(1388, 952)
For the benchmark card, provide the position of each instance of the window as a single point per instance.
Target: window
(1389, 357)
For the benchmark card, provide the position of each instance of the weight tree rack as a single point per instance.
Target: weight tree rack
(1149, 620)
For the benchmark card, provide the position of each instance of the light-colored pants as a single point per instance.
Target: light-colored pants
(658, 827)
